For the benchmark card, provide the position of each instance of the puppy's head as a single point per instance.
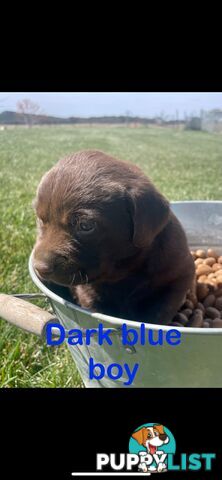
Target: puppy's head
(95, 215)
(151, 437)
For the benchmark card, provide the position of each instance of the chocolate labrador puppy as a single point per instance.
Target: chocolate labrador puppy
(106, 233)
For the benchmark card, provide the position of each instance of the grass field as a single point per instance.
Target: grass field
(184, 165)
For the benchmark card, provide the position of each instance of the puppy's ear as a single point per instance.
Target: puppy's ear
(159, 428)
(149, 212)
(140, 436)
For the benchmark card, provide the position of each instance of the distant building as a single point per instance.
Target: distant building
(194, 123)
(212, 121)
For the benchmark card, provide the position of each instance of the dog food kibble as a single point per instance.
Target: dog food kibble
(176, 324)
(216, 323)
(206, 324)
(209, 261)
(198, 261)
(187, 312)
(192, 297)
(188, 304)
(212, 312)
(201, 253)
(196, 319)
(202, 291)
(202, 278)
(211, 275)
(203, 305)
(218, 303)
(209, 301)
(203, 270)
(219, 280)
(216, 267)
(212, 253)
(218, 275)
(181, 318)
(208, 320)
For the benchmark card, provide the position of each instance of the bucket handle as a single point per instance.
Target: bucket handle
(31, 318)
(25, 315)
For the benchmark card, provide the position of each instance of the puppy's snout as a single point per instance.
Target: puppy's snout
(45, 263)
(43, 269)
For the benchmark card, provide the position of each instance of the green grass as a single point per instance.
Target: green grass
(184, 165)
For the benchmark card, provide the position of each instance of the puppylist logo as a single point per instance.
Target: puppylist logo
(152, 443)
(152, 448)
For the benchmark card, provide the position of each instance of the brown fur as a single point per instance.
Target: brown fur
(136, 263)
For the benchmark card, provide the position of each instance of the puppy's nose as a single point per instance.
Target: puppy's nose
(42, 268)
(163, 436)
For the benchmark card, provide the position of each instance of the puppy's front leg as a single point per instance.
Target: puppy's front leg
(170, 299)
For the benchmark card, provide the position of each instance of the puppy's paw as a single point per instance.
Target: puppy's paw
(161, 467)
(142, 467)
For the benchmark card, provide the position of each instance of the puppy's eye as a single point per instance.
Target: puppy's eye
(149, 435)
(86, 225)
(156, 434)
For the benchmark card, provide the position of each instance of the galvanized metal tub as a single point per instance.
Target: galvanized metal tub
(196, 362)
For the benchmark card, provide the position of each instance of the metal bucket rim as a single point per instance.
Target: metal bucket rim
(195, 201)
(119, 321)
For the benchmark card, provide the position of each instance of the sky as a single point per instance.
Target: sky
(99, 104)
